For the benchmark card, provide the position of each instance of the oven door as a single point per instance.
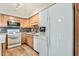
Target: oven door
(14, 38)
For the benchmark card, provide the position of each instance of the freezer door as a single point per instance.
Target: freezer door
(61, 30)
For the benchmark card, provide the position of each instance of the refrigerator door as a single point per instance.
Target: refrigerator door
(43, 44)
(61, 30)
(43, 35)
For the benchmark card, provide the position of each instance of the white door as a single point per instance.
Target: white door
(43, 41)
(61, 30)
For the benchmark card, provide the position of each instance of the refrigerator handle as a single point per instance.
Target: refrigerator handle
(48, 32)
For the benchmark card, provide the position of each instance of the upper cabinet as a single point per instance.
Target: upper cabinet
(34, 20)
(0, 20)
(21, 22)
(4, 20)
(25, 23)
(17, 18)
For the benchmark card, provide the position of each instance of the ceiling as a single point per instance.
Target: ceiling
(25, 10)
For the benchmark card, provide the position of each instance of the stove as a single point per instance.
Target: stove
(14, 34)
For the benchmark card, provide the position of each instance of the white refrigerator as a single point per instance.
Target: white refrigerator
(58, 37)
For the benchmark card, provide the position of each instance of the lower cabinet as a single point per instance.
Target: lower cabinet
(27, 39)
(0, 49)
(77, 51)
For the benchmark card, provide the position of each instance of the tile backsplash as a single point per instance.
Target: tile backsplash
(25, 29)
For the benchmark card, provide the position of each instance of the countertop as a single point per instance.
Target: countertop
(30, 33)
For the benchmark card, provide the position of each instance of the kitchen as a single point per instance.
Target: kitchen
(42, 29)
(23, 29)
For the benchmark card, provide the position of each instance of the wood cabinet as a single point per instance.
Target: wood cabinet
(17, 18)
(25, 23)
(27, 39)
(30, 40)
(20, 20)
(4, 20)
(34, 20)
(0, 20)
(76, 5)
(21, 23)
(23, 38)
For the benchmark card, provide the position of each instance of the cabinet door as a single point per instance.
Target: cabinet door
(30, 40)
(4, 20)
(0, 20)
(78, 51)
(27, 39)
(61, 30)
(17, 19)
(22, 23)
(34, 20)
(23, 38)
(26, 23)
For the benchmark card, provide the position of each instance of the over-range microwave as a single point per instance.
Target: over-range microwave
(13, 24)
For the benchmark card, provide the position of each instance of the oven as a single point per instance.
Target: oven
(13, 34)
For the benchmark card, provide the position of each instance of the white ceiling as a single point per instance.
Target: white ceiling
(26, 10)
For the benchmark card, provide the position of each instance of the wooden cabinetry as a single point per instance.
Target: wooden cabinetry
(30, 40)
(25, 23)
(17, 18)
(34, 20)
(21, 23)
(78, 51)
(76, 29)
(27, 39)
(4, 20)
(0, 20)
(23, 38)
